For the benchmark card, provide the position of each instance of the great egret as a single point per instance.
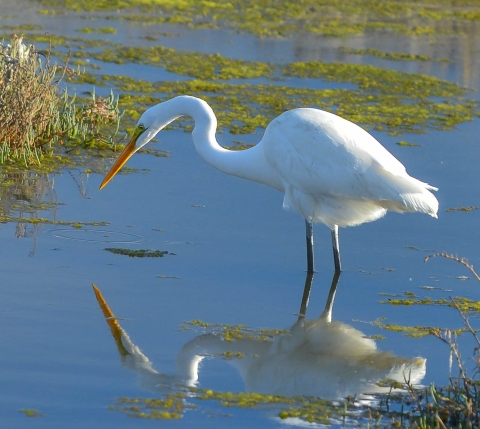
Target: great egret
(330, 170)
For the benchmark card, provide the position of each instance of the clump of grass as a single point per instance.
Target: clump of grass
(456, 405)
(36, 114)
(82, 122)
(28, 98)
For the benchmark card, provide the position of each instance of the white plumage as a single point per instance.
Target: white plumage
(330, 170)
(336, 173)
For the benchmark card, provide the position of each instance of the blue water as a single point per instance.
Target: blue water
(236, 256)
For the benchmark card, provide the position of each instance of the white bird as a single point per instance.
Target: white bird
(330, 170)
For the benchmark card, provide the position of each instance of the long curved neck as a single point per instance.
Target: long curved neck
(249, 164)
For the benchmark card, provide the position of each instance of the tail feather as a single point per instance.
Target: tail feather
(424, 202)
(410, 195)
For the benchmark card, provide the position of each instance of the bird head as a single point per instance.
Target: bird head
(151, 122)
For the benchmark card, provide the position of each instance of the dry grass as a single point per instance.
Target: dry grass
(35, 113)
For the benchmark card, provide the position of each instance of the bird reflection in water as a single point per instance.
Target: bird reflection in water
(317, 357)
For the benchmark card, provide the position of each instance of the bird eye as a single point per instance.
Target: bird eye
(141, 127)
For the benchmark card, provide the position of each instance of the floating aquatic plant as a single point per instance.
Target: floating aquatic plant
(142, 253)
(30, 412)
(282, 18)
(461, 209)
(237, 332)
(382, 99)
(170, 408)
(405, 143)
(104, 30)
(395, 56)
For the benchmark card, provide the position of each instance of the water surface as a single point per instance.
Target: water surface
(235, 256)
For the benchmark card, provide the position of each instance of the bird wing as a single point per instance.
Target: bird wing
(325, 157)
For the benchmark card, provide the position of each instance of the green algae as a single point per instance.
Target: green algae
(383, 99)
(394, 56)
(174, 405)
(413, 331)
(39, 220)
(377, 79)
(217, 67)
(377, 337)
(205, 66)
(242, 399)
(233, 333)
(232, 355)
(50, 12)
(101, 30)
(144, 19)
(65, 41)
(407, 144)
(461, 209)
(244, 108)
(141, 253)
(170, 408)
(282, 18)
(249, 107)
(21, 28)
(308, 409)
(32, 413)
(466, 305)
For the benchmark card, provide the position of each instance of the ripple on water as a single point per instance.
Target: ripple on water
(96, 235)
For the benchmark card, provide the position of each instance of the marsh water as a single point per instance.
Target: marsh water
(235, 258)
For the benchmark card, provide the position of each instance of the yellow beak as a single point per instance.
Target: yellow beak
(123, 158)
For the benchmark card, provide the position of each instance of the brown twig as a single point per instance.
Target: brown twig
(463, 261)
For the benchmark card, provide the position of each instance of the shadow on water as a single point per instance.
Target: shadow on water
(317, 357)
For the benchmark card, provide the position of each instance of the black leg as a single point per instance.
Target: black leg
(327, 313)
(336, 249)
(309, 230)
(305, 297)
